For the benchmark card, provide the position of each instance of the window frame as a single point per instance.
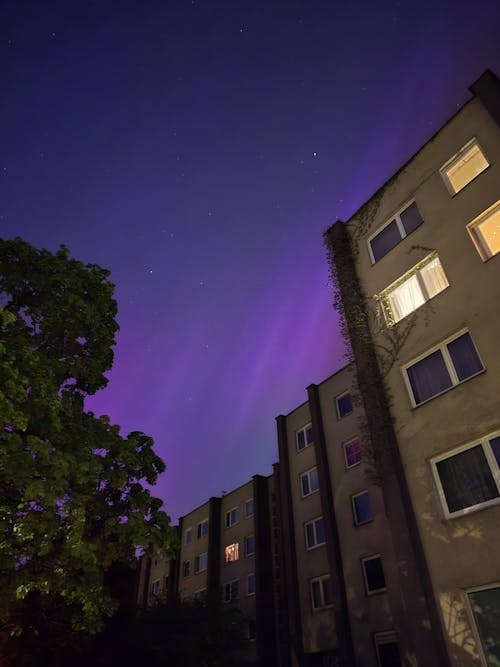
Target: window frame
(197, 559)
(320, 579)
(364, 560)
(235, 552)
(442, 346)
(247, 514)
(313, 523)
(307, 473)
(482, 248)
(344, 393)
(228, 522)
(199, 529)
(303, 430)
(385, 637)
(245, 542)
(347, 443)
(472, 617)
(230, 584)
(396, 217)
(356, 495)
(186, 569)
(155, 584)
(494, 468)
(382, 297)
(250, 575)
(188, 531)
(456, 158)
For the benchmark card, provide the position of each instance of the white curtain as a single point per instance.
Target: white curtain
(406, 298)
(434, 277)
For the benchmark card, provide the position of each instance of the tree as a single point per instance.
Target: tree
(72, 499)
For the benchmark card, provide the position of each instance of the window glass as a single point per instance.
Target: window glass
(495, 446)
(362, 508)
(352, 452)
(249, 508)
(429, 377)
(463, 169)
(466, 479)
(411, 218)
(320, 531)
(313, 475)
(301, 440)
(434, 277)
(251, 584)
(374, 574)
(405, 298)
(249, 545)
(485, 606)
(231, 552)
(389, 655)
(385, 240)
(485, 231)
(344, 405)
(464, 356)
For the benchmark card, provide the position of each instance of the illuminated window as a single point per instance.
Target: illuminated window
(202, 529)
(362, 508)
(485, 232)
(251, 584)
(200, 563)
(321, 592)
(469, 477)
(231, 553)
(463, 167)
(485, 606)
(395, 229)
(231, 590)
(232, 517)
(309, 482)
(447, 365)
(373, 574)
(249, 545)
(413, 289)
(343, 403)
(304, 437)
(352, 453)
(249, 508)
(188, 535)
(315, 533)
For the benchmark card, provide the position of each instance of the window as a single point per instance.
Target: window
(188, 536)
(373, 574)
(232, 517)
(423, 282)
(202, 529)
(249, 545)
(251, 584)
(352, 453)
(321, 592)
(249, 508)
(309, 482)
(344, 405)
(387, 648)
(315, 533)
(469, 478)
(231, 553)
(251, 630)
(167, 582)
(200, 563)
(304, 437)
(155, 587)
(463, 167)
(231, 591)
(185, 568)
(449, 364)
(485, 605)
(200, 595)
(362, 508)
(391, 233)
(485, 232)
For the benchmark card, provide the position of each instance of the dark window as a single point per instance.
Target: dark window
(403, 224)
(486, 609)
(362, 508)
(344, 405)
(388, 654)
(185, 568)
(452, 363)
(374, 574)
(411, 218)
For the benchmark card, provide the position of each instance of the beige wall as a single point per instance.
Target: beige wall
(195, 582)
(461, 552)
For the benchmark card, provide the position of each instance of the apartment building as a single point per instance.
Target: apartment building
(417, 268)
(340, 583)
(226, 549)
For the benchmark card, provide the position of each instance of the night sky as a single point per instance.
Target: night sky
(198, 149)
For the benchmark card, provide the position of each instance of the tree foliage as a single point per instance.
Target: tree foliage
(72, 499)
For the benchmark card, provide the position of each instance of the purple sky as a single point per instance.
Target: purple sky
(198, 149)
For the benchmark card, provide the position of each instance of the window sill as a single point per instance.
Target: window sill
(469, 510)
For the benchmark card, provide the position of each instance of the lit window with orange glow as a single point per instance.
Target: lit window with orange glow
(485, 232)
(231, 553)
